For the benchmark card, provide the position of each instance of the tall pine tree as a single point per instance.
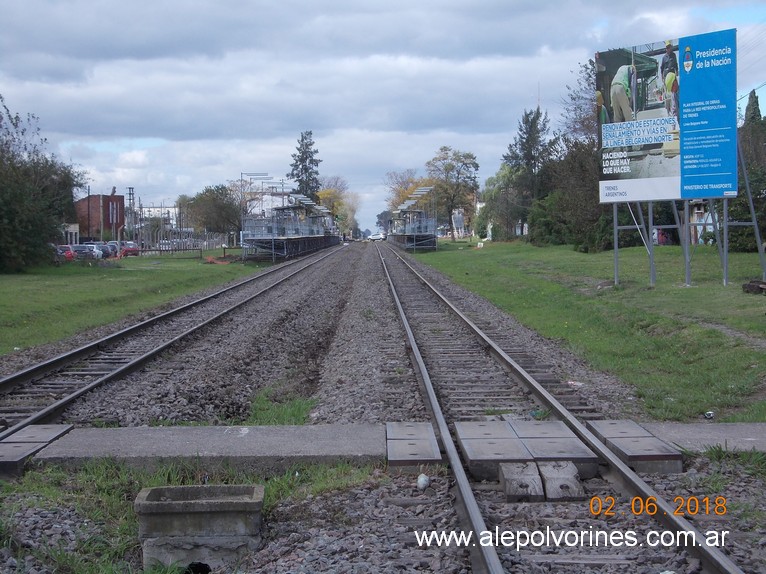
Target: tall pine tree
(531, 150)
(305, 167)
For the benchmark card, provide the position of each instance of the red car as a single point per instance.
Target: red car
(129, 248)
(67, 252)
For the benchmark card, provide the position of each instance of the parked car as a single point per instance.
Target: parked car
(82, 252)
(129, 248)
(66, 252)
(93, 248)
(109, 249)
(105, 249)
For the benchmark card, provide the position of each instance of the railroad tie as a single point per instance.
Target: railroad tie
(561, 481)
(521, 482)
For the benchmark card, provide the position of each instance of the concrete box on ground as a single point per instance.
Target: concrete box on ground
(215, 525)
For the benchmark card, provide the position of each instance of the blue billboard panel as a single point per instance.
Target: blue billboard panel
(709, 115)
(667, 118)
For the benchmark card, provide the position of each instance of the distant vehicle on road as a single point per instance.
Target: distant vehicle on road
(377, 237)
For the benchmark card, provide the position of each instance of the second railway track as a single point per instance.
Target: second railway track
(40, 392)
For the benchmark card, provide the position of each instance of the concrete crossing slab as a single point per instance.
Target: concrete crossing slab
(39, 433)
(408, 430)
(647, 454)
(484, 455)
(22, 445)
(604, 429)
(268, 450)
(700, 436)
(412, 452)
(541, 429)
(484, 429)
(13, 456)
(411, 444)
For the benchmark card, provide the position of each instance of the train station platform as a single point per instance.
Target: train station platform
(274, 449)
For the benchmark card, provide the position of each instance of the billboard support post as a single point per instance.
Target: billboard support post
(725, 241)
(758, 238)
(650, 247)
(616, 240)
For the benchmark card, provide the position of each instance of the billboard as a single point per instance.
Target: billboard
(668, 119)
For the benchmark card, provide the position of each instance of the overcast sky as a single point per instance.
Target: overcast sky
(170, 96)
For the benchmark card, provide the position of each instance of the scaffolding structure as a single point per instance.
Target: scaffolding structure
(281, 224)
(413, 225)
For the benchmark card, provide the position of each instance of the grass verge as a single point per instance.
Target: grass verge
(50, 303)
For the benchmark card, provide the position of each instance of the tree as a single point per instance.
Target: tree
(455, 182)
(532, 149)
(36, 193)
(305, 167)
(341, 203)
(571, 213)
(383, 220)
(400, 185)
(502, 206)
(216, 210)
(753, 109)
(752, 146)
(579, 116)
(334, 182)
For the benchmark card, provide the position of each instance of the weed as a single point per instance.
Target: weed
(265, 411)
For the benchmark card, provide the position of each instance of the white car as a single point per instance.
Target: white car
(377, 237)
(96, 253)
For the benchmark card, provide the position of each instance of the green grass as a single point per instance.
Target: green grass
(103, 492)
(752, 462)
(286, 411)
(50, 303)
(684, 348)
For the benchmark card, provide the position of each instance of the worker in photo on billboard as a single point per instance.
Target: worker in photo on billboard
(669, 71)
(620, 94)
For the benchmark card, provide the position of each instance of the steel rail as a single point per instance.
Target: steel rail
(712, 559)
(45, 367)
(488, 554)
(59, 405)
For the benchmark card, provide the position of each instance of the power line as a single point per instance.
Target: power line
(753, 90)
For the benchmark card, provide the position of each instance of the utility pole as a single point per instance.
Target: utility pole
(131, 219)
(89, 213)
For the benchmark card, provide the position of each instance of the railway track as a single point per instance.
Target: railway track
(469, 376)
(38, 393)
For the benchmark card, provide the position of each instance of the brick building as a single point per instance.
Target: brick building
(101, 217)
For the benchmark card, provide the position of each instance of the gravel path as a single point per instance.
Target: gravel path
(340, 343)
